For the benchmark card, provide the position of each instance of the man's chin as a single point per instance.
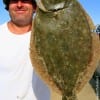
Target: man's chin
(21, 23)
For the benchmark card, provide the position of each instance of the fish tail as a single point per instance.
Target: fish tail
(73, 97)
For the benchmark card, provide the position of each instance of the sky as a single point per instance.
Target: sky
(92, 7)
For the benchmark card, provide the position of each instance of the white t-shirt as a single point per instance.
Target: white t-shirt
(18, 81)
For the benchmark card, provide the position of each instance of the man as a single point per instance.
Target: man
(18, 81)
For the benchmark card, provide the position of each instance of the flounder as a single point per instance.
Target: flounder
(63, 50)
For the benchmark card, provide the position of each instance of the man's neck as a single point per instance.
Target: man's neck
(17, 29)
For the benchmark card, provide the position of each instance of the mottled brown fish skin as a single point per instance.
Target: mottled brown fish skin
(63, 40)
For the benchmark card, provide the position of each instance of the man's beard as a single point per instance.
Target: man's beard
(21, 22)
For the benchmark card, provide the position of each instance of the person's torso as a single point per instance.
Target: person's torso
(15, 67)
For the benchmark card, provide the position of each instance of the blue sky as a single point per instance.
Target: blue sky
(92, 7)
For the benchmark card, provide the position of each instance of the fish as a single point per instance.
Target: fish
(63, 50)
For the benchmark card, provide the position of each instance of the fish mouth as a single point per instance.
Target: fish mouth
(52, 7)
